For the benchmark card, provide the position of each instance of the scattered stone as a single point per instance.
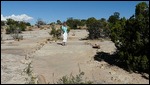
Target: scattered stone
(41, 79)
(112, 73)
(96, 46)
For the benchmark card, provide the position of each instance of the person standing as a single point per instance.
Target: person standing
(65, 35)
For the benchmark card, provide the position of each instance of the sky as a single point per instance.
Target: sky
(51, 11)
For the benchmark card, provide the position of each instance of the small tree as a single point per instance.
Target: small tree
(11, 21)
(14, 31)
(131, 37)
(40, 22)
(22, 26)
(28, 24)
(11, 29)
(16, 35)
(59, 22)
(56, 33)
(93, 28)
(73, 23)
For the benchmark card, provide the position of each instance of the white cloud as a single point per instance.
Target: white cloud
(3, 18)
(22, 17)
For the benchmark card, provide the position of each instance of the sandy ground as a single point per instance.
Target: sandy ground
(53, 60)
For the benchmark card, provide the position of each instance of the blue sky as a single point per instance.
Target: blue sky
(51, 11)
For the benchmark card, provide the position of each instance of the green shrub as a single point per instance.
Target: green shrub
(16, 36)
(56, 33)
(94, 30)
(73, 80)
(14, 31)
(22, 26)
(11, 29)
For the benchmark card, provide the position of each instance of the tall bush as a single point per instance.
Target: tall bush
(94, 28)
(131, 38)
(56, 33)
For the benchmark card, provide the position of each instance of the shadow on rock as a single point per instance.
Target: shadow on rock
(86, 38)
(59, 43)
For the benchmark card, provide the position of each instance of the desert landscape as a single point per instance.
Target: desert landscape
(50, 59)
